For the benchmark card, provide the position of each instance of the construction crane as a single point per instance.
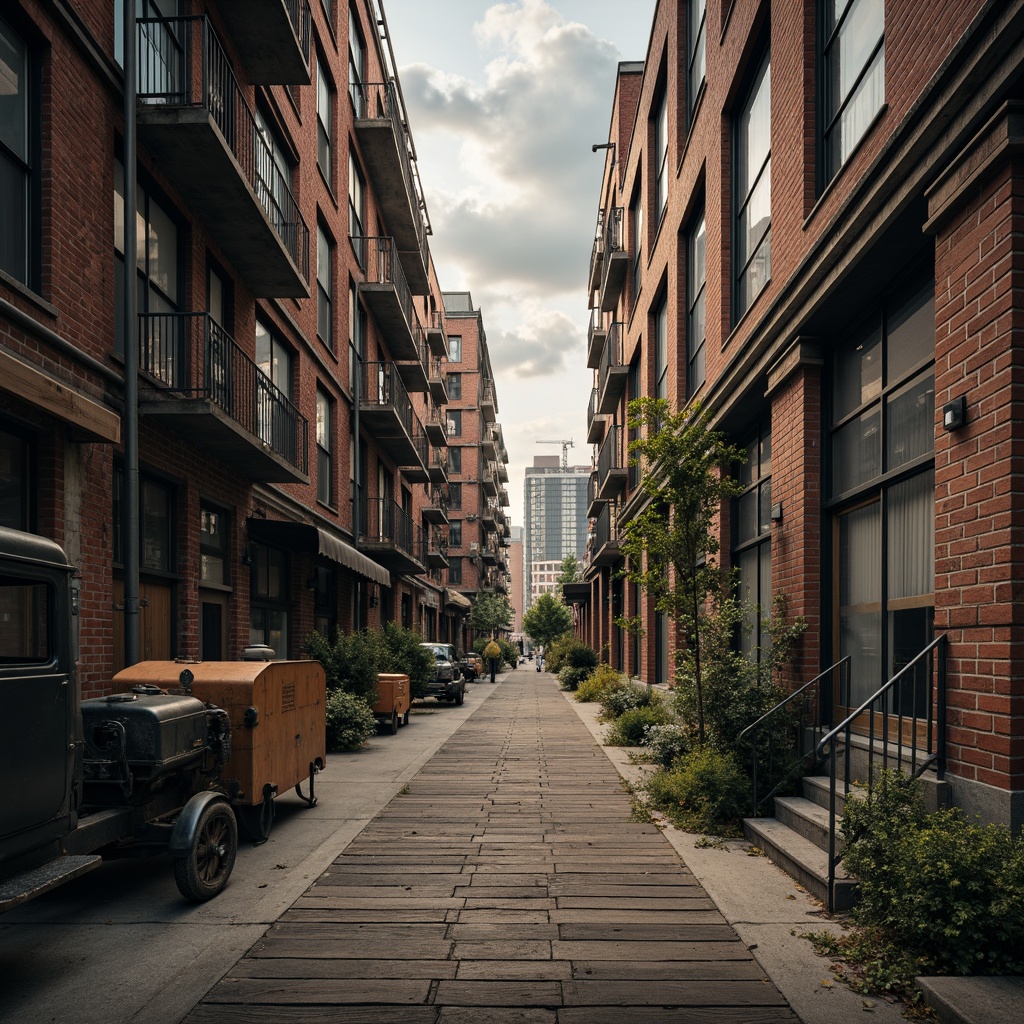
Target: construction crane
(566, 445)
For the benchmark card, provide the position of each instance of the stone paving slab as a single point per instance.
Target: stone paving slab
(505, 884)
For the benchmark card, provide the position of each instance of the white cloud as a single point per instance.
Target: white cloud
(549, 343)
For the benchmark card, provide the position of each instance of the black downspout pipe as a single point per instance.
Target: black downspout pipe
(356, 462)
(131, 353)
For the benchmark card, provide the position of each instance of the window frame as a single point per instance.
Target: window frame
(696, 296)
(661, 150)
(696, 46)
(324, 119)
(659, 348)
(455, 354)
(324, 286)
(325, 420)
(356, 64)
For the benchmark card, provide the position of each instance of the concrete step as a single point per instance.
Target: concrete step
(804, 817)
(800, 858)
(816, 789)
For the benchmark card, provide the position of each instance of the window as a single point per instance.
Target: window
(324, 430)
(696, 274)
(455, 497)
(325, 601)
(156, 530)
(454, 385)
(273, 175)
(213, 547)
(274, 422)
(695, 63)
(752, 550)
(356, 206)
(323, 120)
(455, 533)
(454, 422)
(268, 598)
(17, 469)
(454, 348)
(660, 389)
(324, 264)
(19, 170)
(661, 158)
(356, 64)
(637, 213)
(356, 335)
(853, 75)
(156, 283)
(454, 571)
(454, 460)
(753, 192)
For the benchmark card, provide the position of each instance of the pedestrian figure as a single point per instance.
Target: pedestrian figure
(493, 651)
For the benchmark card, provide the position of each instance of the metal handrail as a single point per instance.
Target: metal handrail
(382, 385)
(167, 77)
(802, 757)
(936, 735)
(610, 456)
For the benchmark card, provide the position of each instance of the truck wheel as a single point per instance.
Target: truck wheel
(405, 717)
(460, 697)
(394, 723)
(256, 822)
(203, 871)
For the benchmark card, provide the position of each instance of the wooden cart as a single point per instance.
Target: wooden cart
(393, 701)
(278, 725)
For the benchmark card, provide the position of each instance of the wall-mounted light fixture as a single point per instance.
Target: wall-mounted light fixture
(954, 414)
(374, 596)
(247, 559)
(776, 512)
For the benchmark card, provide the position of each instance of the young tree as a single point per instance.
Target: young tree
(571, 571)
(546, 620)
(491, 612)
(670, 546)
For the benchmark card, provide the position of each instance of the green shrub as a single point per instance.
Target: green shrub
(567, 650)
(509, 652)
(604, 679)
(628, 729)
(570, 678)
(627, 698)
(706, 791)
(350, 721)
(667, 743)
(400, 651)
(350, 661)
(944, 887)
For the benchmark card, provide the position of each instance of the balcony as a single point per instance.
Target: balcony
(435, 508)
(612, 465)
(487, 511)
(414, 371)
(386, 293)
(489, 552)
(436, 425)
(596, 333)
(606, 540)
(489, 478)
(437, 465)
(436, 383)
(386, 411)
(437, 340)
(612, 375)
(594, 503)
(416, 472)
(206, 389)
(389, 536)
(503, 498)
(616, 260)
(272, 39)
(488, 402)
(195, 122)
(387, 152)
(595, 423)
(488, 444)
(435, 549)
(502, 472)
(596, 255)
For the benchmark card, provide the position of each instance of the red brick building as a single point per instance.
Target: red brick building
(290, 329)
(812, 228)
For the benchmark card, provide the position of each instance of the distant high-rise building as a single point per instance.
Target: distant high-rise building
(555, 517)
(515, 565)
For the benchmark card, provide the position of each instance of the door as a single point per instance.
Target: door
(155, 631)
(213, 625)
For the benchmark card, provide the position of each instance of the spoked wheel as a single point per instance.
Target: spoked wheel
(203, 871)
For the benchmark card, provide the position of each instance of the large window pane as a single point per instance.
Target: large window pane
(858, 373)
(696, 33)
(909, 430)
(860, 595)
(856, 452)
(911, 335)
(753, 192)
(696, 325)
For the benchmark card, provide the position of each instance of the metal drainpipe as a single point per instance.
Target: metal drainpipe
(355, 457)
(131, 352)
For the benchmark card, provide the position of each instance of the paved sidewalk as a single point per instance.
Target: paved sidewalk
(507, 884)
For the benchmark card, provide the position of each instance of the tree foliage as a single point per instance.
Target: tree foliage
(490, 613)
(546, 620)
(670, 546)
(571, 571)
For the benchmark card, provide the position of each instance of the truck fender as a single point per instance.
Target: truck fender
(185, 826)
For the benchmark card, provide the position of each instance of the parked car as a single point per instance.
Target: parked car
(472, 666)
(447, 683)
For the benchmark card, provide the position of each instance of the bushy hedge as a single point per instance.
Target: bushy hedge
(567, 650)
(943, 887)
(629, 728)
(350, 721)
(667, 743)
(570, 678)
(400, 651)
(706, 791)
(627, 698)
(602, 680)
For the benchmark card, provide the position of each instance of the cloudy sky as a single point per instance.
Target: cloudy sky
(505, 101)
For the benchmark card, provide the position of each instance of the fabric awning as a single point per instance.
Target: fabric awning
(312, 540)
(457, 600)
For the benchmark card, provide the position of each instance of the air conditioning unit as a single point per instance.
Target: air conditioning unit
(474, 549)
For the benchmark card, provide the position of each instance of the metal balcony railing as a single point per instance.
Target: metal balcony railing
(614, 237)
(383, 386)
(611, 457)
(612, 375)
(301, 18)
(379, 101)
(181, 64)
(378, 259)
(190, 354)
(384, 521)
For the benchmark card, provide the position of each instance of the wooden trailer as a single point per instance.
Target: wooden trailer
(393, 700)
(278, 725)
